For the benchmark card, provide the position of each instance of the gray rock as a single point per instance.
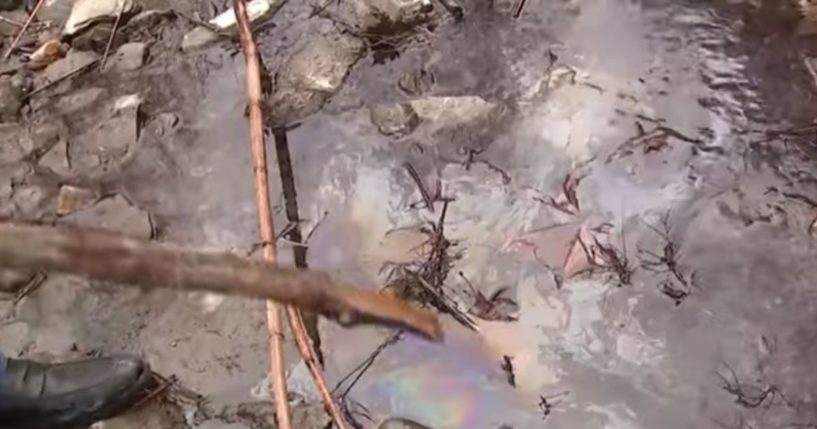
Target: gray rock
(109, 141)
(14, 138)
(10, 100)
(198, 38)
(45, 131)
(383, 16)
(129, 56)
(56, 159)
(313, 75)
(455, 110)
(72, 62)
(79, 100)
(394, 119)
(114, 214)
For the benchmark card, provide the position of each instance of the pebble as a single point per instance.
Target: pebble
(394, 119)
(128, 57)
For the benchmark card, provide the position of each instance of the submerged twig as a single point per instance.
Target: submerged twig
(23, 30)
(310, 352)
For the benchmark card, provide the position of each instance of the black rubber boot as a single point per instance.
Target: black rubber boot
(67, 395)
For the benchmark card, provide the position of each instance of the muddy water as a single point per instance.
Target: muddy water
(603, 355)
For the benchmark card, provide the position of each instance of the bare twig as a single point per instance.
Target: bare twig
(23, 30)
(304, 326)
(110, 38)
(274, 322)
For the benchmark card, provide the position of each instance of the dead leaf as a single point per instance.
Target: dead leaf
(47, 53)
(586, 251)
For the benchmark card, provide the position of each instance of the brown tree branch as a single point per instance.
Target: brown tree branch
(112, 257)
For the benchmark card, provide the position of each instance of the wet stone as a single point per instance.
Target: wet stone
(129, 56)
(394, 119)
(56, 159)
(313, 75)
(416, 82)
(114, 214)
(198, 38)
(13, 140)
(383, 16)
(109, 141)
(455, 110)
(73, 61)
(79, 100)
(10, 100)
